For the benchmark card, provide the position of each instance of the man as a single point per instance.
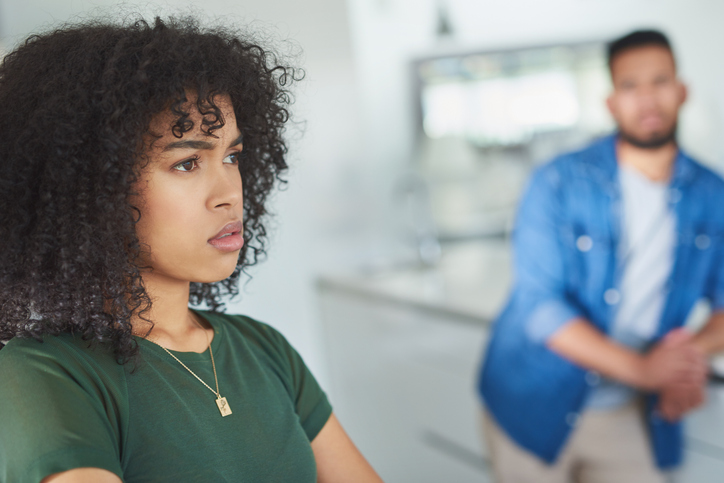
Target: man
(588, 372)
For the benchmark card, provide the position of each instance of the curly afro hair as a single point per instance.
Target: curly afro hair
(75, 104)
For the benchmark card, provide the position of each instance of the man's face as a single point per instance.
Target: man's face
(646, 95)
(190, 190)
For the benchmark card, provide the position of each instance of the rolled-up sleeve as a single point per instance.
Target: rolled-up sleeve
(715, 290)
(539, 260)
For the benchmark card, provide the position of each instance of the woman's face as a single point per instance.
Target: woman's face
(190, 193)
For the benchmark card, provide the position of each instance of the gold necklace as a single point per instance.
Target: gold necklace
(221, 402)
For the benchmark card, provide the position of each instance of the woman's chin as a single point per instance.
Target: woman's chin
(216, 276)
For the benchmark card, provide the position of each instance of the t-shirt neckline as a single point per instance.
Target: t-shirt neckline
(631, 172)
(190, 356)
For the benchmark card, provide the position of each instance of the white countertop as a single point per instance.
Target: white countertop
(470, 283)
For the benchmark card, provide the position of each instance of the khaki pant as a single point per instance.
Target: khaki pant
(605, 447)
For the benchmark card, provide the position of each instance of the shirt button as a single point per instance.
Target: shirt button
(702, 242)
(611, 296)
(572, 419)
(674, 195)
(592, 378)
(584, 243)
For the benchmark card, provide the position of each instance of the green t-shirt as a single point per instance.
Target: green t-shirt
(64, 406)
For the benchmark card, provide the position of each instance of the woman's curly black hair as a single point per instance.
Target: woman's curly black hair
(75, 104)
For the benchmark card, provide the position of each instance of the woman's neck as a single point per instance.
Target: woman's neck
(174, 326)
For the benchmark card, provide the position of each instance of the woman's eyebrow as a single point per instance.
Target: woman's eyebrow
(188, 144)
(196, 144)
(237, 141)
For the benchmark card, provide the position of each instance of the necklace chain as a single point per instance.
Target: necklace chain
(220, 401)
(194, 374)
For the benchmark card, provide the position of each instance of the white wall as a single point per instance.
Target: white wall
(387, 33)
(322, 202)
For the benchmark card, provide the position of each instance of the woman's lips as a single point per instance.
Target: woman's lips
(232, 227)
(228, 243)
(229, 238)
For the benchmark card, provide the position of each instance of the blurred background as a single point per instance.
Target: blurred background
(415, 130)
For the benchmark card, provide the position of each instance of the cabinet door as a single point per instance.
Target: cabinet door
(403, 385)
(701, 466)
(704, 461)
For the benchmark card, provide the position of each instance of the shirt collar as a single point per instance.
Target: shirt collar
(683, 170)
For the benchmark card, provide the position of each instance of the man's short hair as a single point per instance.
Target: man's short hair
(638, 38)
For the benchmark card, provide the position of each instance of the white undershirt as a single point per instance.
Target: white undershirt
(646, 253)
(646, 258)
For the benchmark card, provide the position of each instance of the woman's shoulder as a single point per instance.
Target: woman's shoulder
(60, 357)
(243, 330)
(61, 345)
(54, 390)
(251, 329)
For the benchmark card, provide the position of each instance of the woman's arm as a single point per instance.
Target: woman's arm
(83, 475)
(338, 459)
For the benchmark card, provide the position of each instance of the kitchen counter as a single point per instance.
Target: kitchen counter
(470, 283)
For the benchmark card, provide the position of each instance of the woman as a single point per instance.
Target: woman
(123, 149)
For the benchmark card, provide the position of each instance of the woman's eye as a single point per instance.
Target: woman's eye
(186, 166)
(234, 158)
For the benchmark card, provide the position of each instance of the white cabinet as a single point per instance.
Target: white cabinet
(705, 441)
(403, 387)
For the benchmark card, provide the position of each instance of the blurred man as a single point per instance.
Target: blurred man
(588, 371)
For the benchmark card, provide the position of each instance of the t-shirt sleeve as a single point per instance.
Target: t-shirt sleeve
(53, 415)
(312, 405)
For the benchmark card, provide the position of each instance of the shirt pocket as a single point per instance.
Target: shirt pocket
(697, 251)
(701, 239)
(587, 251)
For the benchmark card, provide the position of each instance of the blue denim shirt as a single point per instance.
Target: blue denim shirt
(534, 394)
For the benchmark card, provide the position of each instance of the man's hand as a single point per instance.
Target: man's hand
(675, 362)
(676, 401)
(681, 397)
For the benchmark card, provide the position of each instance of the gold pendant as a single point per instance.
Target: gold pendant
(224, 408)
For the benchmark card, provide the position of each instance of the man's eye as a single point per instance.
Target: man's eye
(234, 158)
(660, 81)
(186, 166)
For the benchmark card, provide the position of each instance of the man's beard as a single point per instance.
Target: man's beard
(655, 142)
